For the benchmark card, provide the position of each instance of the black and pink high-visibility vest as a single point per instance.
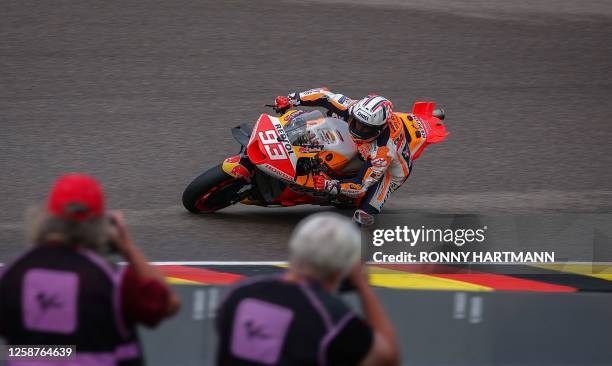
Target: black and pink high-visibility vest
(269, 321)
(59, 295)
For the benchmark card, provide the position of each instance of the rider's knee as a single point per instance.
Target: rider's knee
(354, 190)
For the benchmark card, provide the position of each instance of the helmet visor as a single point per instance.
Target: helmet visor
(364, 131)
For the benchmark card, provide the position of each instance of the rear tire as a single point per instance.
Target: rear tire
(212, 191)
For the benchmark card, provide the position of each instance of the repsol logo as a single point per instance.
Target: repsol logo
(282, 138)
(419, 126)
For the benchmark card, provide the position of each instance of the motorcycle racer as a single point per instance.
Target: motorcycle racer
(382, 143)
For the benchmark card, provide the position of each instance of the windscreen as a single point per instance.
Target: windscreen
(297, 130)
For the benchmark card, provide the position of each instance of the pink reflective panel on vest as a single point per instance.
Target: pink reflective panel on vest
(259, 331)
(49, 301)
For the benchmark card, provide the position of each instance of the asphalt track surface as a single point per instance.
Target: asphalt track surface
(142, 95)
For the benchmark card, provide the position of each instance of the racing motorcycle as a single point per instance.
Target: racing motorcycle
(280, 154)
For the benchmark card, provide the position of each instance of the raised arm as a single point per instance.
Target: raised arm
(322, 97)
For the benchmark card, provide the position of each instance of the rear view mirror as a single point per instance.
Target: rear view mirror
(439, 113)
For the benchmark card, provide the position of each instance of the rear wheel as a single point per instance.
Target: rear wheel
(212, 191)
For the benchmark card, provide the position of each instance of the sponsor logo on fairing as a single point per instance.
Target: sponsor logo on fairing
(279, 158)
(279, 173)
(240, 171)
(416, 122)
(276, 143)
(282, 137)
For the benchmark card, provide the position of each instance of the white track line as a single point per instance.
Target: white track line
(220, 263)
(280, 263)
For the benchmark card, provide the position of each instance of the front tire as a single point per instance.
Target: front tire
(212, 191)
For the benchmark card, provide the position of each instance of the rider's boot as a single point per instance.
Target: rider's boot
(362, 218)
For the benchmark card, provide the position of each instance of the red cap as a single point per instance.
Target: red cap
(76, 197)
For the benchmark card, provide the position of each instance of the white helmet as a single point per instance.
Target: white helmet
(368, 117)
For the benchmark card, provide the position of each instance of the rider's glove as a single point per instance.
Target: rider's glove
(322, 184)
(294, 98)
(282, 102)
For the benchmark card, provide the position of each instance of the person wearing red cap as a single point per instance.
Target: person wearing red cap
(64, 291)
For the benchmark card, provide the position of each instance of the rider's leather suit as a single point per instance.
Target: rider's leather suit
(387, 159)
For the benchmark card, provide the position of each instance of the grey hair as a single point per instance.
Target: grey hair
(324, 245)
(42, 227)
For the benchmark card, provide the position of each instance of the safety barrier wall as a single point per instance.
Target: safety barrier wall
(434, 327)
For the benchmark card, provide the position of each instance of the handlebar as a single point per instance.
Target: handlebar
(277, 109)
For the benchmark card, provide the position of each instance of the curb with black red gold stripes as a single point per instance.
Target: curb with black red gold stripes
(560, 277)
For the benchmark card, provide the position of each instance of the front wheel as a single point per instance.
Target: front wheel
(212, 191)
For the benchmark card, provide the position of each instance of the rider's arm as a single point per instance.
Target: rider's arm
(372, 171)
(322, 97)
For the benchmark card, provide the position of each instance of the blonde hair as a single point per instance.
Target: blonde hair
(42, 228)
